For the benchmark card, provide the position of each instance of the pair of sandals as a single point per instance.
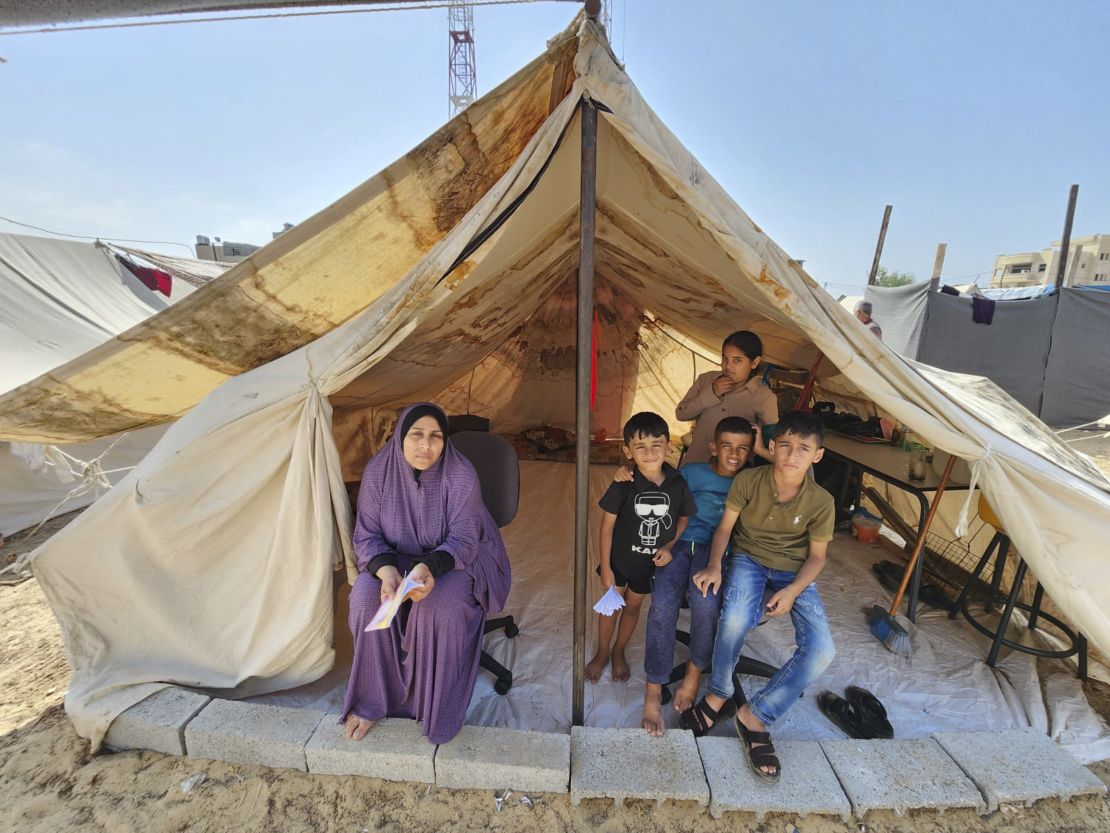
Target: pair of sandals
(858, 714)
(760, 752)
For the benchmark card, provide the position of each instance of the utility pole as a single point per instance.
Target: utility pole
(462, 73)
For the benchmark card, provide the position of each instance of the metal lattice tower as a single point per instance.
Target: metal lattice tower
(461, 69)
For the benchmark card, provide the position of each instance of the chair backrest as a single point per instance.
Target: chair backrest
(498, 468)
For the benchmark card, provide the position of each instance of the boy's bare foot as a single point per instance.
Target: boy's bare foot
(754, 724)
(652, 722)
(595, 666)
(621, 671)
(356, 727)
(687, 692)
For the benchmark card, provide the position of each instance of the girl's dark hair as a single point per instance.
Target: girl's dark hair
(746, 342)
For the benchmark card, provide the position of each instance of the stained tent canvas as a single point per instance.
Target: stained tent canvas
(449, 276)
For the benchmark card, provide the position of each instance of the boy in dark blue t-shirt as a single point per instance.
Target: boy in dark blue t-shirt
(641, 519)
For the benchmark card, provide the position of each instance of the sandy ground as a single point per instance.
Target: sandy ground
(49, 782)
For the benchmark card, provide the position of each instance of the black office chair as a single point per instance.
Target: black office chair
(498, 470)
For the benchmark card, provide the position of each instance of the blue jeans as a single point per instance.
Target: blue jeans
(745, 581)
(671, 584)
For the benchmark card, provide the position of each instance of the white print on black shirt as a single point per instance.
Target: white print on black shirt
(653, 508)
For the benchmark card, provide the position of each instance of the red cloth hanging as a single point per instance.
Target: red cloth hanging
(595, 341)
(153, 279)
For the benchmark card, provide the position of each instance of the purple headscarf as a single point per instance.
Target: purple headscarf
(443, 510)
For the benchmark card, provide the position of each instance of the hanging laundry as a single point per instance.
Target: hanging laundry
(982, 310)
(153, 279)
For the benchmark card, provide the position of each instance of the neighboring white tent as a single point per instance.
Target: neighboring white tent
(450, 276)
(60, 300)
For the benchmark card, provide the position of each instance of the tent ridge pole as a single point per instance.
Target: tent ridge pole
(586, 230)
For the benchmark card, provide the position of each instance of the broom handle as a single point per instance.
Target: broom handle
(920, 545)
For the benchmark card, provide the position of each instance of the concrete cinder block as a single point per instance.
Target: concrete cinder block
(807, 784)
(394, 750)
(158, 722)
(629, 763)
(900, 775)
(251, 733)
(497, 759)
(1018, 765)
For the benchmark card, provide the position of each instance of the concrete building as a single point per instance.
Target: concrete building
(223, 251)
(1088, 262)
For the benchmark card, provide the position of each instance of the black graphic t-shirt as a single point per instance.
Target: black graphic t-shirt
(647, 514)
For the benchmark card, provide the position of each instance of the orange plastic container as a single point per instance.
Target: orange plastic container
(866, 534)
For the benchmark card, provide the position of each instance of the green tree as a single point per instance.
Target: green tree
(885, 278)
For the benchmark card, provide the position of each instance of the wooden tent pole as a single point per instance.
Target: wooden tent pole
(586, 226)
(938, 265)
(1065, 244)
(879, 246)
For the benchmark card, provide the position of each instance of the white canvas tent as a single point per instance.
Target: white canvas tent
(61, 299)
(450, 276)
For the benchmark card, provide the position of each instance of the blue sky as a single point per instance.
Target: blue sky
(971, 118)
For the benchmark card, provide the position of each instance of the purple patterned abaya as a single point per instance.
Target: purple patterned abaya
(423, 666)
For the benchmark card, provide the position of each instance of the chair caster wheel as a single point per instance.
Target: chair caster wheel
(511, 631)
(503, 685)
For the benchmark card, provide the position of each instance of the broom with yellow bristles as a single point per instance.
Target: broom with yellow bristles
(884, 627)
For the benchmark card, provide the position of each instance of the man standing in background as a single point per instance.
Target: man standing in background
(863, 313)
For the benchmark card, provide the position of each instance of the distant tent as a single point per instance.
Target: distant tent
(60, 300)
(451, 276)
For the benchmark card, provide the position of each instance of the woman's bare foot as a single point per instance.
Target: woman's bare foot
(595, 666)
(687, 692)
(621, 671)
(652, 722)
(754, 724)
(356, 727)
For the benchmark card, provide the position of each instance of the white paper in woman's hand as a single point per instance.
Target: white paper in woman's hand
(384, 617)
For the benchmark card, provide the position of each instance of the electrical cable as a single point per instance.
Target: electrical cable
(100, 237)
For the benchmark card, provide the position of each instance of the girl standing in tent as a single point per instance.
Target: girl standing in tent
(734, 391)
(420, 512)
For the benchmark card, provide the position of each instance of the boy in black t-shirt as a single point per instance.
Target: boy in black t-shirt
(642, 519)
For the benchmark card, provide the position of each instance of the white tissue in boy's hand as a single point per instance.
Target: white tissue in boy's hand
(610, 603)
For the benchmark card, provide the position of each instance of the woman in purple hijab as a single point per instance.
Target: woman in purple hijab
(420, 511)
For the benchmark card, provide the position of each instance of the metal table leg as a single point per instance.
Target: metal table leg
(1004, 622)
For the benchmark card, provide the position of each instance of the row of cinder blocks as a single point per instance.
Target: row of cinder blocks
(178, 722)
(978, 770)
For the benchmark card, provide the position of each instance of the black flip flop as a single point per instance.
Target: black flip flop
(871, 711)
(762, 756)
(844, 715)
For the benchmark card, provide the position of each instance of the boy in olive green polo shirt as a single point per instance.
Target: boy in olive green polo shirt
(780, 523)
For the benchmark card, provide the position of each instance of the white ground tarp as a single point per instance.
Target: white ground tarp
(213, 558)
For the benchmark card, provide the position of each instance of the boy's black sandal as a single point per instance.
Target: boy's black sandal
(701, 717)
(872, 712)
(759, 751)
